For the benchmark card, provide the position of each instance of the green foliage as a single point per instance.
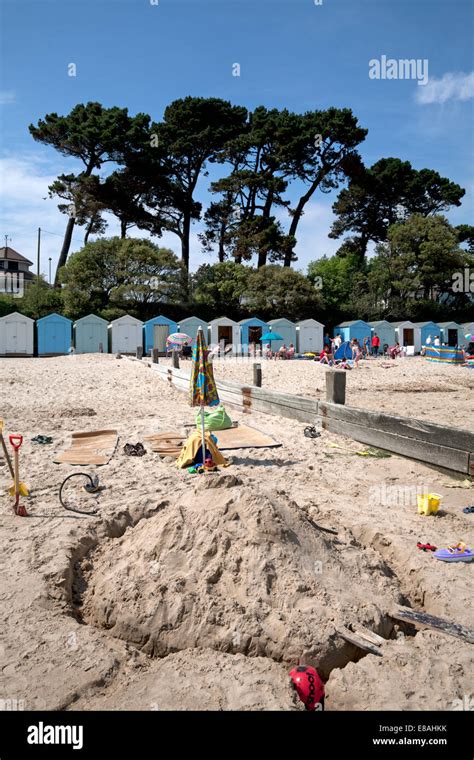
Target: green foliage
(36, 302)
(114, 276)
(280, 291)
(219, 287)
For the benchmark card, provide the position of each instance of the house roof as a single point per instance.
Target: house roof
(445, 324)
(306, 321)
(423, 324)
(12, 255)
(351, 322)
(379, 322)
(404, 322)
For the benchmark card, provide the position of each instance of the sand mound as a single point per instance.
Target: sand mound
(239, 571)
(200, 679)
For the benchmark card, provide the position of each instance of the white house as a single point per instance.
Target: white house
(125, 335)
(16, 335)
(224, 331)
(309, 336)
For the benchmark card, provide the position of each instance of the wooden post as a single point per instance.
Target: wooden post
(139, 352)
(154, 354)
(175, 358)
(257, 375)
(336, 386)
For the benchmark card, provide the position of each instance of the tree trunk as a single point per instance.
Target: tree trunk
(262, 259)
(65, 249)
(299, 213)
(88, 231)
(185, 240)
(123, 228)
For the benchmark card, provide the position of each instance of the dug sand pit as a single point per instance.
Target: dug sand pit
(239, 570)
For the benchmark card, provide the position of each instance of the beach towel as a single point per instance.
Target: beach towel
(193, 445)
(166, 444)
(93, 447)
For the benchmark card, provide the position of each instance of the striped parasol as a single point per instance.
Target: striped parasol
(202, 386)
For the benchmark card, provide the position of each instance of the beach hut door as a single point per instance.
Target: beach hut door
(408, 336)
(94, 337)
(255, 333)
(160, 333)
(224, 334)
(452, 337)
(16, 337)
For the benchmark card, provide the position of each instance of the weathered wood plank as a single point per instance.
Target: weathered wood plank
(336, 386)
(450, 437)
(423, 620)
(359, 642)
(430, 453)
(372, 637)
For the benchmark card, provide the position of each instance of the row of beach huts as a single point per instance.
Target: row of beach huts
(56, 335)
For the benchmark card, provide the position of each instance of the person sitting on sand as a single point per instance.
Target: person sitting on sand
(267, 351)
(325, 356)
(437, 341)
(291, 351)
(186, 351)
(395, 350)
(281, 353)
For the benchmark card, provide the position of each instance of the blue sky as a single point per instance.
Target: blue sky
(292, 53)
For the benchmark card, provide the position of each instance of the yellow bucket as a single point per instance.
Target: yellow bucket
(428, 503)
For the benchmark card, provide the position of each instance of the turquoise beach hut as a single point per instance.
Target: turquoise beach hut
(191, 325)
(286, 329)
(385, 331)
(156, 332)
(355, 328)
(89, 334)
(54, 335)
(251, 330)
(428, 330)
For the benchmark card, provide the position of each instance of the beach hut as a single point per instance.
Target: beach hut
(89, 333)
(16, 335)
(452, 334)
(226, 331)
(355, 328)
(409, 335)
(156, 332)
(54, 335)
(251, 330)
(286, 329)
(125, 335)
(309, 336)
(467, 329)
(385, 331)
(191, 325)
(428, 330)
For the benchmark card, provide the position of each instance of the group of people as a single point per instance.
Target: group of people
(370, 347)
(284, 352)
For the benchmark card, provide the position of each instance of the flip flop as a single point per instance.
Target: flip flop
(311, 432)
(426, 547)
(458, 553)
(468, 510)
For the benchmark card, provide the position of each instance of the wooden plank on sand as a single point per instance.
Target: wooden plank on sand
(359, 642)
(423, 620)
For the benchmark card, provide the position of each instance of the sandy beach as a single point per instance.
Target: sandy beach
(188, 592)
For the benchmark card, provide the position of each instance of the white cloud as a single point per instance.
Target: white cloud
(7, 97)
(451, 86)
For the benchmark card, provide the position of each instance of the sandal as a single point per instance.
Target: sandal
(468, 510)
(137, 450)
(458, 553)
(311, 432)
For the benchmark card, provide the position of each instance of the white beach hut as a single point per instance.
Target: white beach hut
(309, 336)
(452, 333)
(225, 331)
(408, 335)
(16, 335)
(125, 335)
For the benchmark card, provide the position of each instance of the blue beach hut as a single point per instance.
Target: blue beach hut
(156, 332)
(355, 328)
(89, 334)
(54, 335)
(428, 330)
(251, 331)
(385, 331)
(286, 329)
(191, 325)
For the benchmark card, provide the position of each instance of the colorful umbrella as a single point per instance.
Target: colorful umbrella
(202, 386)
(178, 339)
